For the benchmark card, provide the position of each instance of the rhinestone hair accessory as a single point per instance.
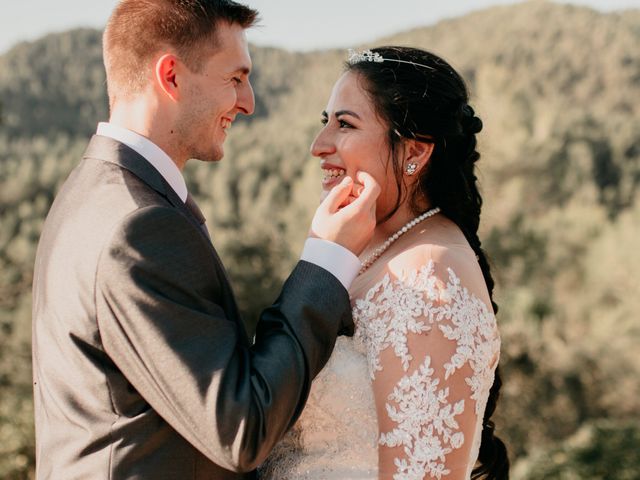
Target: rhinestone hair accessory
(375, 57)
(364, 56)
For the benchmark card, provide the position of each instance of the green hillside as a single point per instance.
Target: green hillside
(557, 87)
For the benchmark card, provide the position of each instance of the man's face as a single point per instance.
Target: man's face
(212, 98)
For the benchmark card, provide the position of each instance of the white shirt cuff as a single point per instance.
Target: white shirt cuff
(337, 260)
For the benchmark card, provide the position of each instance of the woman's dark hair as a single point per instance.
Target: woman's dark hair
(426, 99)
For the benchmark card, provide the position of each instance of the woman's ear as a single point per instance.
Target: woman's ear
(417, 155)
(166, 76)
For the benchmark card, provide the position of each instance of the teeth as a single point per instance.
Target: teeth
(333, 173)
(225, 123)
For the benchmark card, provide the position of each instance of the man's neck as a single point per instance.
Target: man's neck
(146, 120)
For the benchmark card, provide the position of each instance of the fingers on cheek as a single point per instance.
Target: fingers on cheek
(356, 191)
(348, 201)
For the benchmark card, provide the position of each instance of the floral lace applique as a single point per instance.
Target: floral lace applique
(473, 328)
(389, 311)
(426, 425)
(424, 414)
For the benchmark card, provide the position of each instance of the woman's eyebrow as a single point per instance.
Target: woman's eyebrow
(347, 112)
(342, 112)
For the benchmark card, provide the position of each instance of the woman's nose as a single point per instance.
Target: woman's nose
(323, 144)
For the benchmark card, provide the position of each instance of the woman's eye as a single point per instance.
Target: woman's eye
(237, 80)
(341, 123)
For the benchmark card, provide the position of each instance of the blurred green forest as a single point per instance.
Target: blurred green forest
(558, 88)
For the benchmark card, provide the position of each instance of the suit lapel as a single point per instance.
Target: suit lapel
(109, 150)
(112, 151)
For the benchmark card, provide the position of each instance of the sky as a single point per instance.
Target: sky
(291, 24)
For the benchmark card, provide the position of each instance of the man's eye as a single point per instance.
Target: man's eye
(237, 80)
(344, 124)
(324, 120)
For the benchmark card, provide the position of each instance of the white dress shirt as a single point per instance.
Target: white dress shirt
(334, 258)
(151, 153)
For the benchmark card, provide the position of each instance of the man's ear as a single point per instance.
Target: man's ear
(417, 154)
(167, 75)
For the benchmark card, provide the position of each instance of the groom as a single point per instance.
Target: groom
(142, 367)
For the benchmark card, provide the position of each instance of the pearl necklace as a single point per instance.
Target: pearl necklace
(383, 248)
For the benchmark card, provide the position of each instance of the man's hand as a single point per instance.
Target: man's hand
(347, 216)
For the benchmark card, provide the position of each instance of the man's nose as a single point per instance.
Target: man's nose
(246, 100)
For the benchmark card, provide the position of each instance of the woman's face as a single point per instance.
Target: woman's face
(354, 138)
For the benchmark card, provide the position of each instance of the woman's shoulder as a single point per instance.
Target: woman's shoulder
(436, 256)
(436, 252)
(439, 244)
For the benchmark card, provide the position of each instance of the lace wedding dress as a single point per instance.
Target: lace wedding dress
(405, 397)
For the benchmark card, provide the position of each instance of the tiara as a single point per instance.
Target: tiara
(364, 56)
(369, 56)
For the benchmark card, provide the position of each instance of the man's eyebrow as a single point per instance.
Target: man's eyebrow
(242, 70)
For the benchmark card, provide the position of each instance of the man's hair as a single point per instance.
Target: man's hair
(138, 29)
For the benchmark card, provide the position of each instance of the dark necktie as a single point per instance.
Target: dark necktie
(195, 210)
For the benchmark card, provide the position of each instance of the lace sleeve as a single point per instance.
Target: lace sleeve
(432, 347)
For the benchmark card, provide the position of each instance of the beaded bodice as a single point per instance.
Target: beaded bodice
(336, 435)
(405, 397)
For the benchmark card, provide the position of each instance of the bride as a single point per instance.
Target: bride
(410, 396)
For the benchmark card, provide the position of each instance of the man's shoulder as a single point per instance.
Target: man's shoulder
(101, 202)
(99, 193)
(116, 180)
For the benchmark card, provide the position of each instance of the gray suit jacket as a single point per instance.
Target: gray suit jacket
(142, 367)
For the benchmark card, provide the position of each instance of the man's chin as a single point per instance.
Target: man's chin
(213, 156)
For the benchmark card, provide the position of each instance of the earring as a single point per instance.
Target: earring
(411, 168)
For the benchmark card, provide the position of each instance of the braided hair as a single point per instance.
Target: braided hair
(422, 97)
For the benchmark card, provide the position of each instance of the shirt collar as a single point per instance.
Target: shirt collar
(151, 152)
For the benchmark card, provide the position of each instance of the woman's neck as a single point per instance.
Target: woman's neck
(384, 230)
